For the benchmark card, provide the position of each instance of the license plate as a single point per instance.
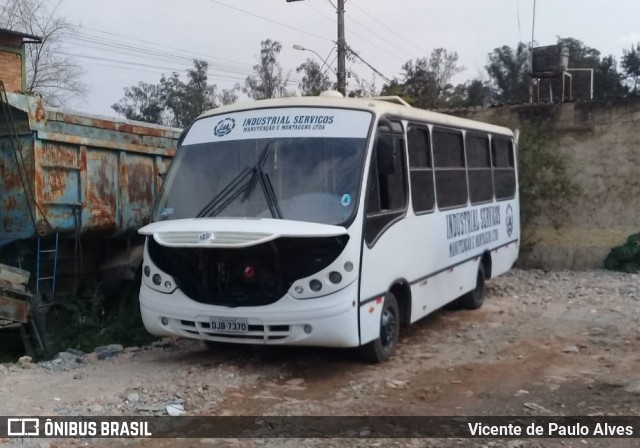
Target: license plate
(229, 325)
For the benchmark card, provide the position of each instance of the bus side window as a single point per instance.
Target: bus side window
(479, 168)
(387, 188)
(504, 172)
(451, 175)
(420, 170)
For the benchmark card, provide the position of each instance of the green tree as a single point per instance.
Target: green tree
(508, 70)
(363, 88)
(426, 81)
(469, 94)
(173, 101)
(269, 80)
(186, 101)
(631, 66)
(314, 80)
(142, 102)
(607, 80)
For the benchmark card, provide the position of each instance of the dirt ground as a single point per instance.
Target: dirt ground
(557, 343)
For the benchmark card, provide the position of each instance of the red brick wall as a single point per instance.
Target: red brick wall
(11, 71)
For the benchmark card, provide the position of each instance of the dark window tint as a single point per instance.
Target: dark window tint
(387, 189)
(447, 149)
(422, 193)
(478, 151)
(419, 151)
(504, 173)
(450, 173)
(502, 153)
(479, 168)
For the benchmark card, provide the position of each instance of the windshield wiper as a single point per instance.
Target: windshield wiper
(270, 195)
(227, 195)
(245, 182)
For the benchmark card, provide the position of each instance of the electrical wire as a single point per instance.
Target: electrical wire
(392, 53)
(271, 20)
(391, 30)
(197, 55)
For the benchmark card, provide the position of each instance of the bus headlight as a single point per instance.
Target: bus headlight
(315, 285)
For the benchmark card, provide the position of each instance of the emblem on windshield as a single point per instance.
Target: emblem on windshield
(224, 127)
(345, 200)
(206, 236)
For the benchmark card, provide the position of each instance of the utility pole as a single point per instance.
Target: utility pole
(342, 50)
(342, 47)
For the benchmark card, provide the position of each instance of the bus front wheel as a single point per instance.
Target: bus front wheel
(384, 346)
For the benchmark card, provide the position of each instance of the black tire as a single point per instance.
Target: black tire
(474, 299)
(385, 345)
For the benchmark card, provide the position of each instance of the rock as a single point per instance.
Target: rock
(132, 349)
(60, 410)
(294, 382)
(108, 351)
(570, 349)
(145, 408)
(522, 392)
(633, 388)
(28, 366)
(96, 409)
(537, 407)
(78, 376)
(74, 352)
(115, 348)
(24, 360)
(133, 398)
(3, 370)
(175, 410)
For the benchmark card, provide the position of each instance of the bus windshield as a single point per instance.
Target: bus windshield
(301, 179)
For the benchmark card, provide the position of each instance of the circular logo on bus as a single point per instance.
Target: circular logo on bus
(509, 220)
(206, 236)
(224, 127)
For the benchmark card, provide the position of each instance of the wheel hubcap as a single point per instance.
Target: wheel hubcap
(388, 328)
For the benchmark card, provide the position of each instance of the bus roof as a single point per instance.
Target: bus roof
(377, 106)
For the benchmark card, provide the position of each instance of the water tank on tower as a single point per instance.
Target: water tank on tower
(550, 61)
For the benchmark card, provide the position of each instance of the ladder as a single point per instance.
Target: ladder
(39, 260)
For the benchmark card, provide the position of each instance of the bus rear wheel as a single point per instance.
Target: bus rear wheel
(385, 345)
(474, 298)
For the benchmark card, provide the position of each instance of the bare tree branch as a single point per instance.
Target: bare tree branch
(55, 77)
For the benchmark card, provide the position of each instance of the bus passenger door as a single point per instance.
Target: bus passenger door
(386, 205)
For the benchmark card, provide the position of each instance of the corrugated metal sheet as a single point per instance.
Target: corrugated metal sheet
(107, 170)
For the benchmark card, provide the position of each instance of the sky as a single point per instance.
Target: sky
(122, 42)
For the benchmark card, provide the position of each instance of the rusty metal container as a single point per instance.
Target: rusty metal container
(87, 174)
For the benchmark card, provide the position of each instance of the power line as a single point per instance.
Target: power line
(317, 36)
(145, 53)
(123, 48)
(132, 64)
(391, 30)
(155, 44)
(364, 39)
(376, 71)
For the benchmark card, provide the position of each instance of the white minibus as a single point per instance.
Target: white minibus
(327, 221)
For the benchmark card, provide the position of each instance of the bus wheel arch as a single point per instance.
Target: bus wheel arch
(384, 346)
(486, 264)
(402, 292)
(474, 299)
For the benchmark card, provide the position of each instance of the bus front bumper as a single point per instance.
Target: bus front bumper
(330, 321)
